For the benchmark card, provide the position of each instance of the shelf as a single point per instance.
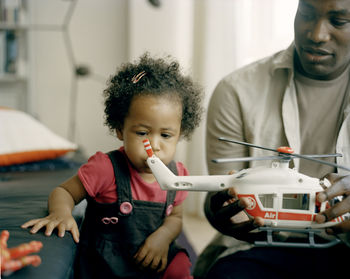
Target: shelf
(8, 78)
(14, 55)
(13, 26)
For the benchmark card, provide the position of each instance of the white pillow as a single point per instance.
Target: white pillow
(23, 139)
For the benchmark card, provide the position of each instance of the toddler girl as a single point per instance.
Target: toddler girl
(130, 224)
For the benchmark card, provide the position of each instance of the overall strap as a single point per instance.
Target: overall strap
(122, 178)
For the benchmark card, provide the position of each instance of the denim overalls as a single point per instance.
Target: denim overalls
(112, 233)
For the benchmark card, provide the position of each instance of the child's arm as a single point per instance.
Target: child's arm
(61, 203)
(154, 252)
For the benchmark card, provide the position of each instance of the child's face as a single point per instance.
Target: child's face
(157, 118)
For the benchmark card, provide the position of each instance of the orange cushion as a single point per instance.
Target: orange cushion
(24, 139)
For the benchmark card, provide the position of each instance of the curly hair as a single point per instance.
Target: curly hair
(155, 77)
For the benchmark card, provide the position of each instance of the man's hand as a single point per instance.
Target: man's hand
(340, 187)
(224, 211)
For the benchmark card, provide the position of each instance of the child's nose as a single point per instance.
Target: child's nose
(155, 143)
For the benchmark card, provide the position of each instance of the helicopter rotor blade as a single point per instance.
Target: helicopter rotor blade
(323, 155)
(246, 144)
(320, 161)
(244, 159)
(306, 157)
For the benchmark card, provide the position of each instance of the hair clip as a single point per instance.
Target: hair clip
(137, 77)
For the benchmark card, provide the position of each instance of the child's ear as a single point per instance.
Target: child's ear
(119, 134)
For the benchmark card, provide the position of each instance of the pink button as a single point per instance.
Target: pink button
(125, 207)
(169, 209)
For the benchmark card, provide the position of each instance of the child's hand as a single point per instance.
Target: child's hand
(153, 253)
(61, 222)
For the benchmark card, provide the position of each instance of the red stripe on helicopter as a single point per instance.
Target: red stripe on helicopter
(294, 216)
(254, 210)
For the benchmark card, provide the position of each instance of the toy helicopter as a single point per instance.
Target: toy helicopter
(283, 197)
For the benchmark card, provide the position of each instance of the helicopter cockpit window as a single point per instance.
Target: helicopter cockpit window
(266, 200)
(296, 201)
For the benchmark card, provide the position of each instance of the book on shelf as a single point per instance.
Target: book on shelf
(8, 52)
(11, 11)
(2, 51)
(11, 52)
(12, 20)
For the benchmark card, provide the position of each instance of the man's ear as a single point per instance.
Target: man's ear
(119, 134)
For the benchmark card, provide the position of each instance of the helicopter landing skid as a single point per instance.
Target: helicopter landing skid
(310, 244)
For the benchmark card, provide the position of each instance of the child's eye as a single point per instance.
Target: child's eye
(141, 133)
(165, 135)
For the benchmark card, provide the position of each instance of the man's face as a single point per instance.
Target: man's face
(322, 37)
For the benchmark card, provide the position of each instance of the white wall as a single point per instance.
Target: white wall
(163, 31)
(99, 40)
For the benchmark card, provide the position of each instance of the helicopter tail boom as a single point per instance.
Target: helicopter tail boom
(169, 181)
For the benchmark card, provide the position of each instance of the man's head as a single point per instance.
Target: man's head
(322, 37)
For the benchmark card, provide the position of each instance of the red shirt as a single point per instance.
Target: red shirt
(97, 176)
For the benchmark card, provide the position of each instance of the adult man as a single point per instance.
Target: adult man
(300, 98)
